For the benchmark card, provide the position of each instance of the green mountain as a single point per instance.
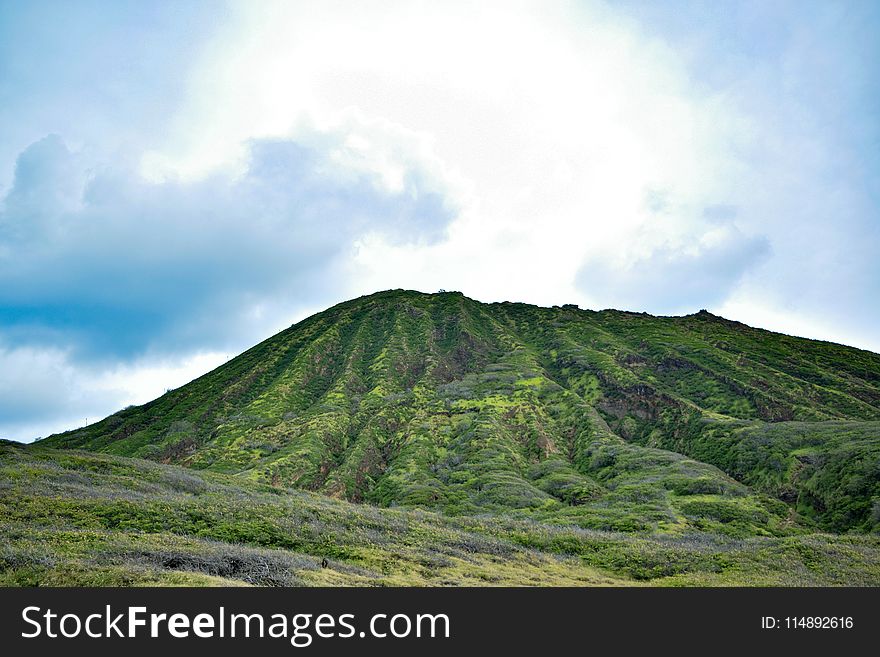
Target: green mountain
(605, 421)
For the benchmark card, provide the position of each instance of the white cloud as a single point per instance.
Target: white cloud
(546, 123)
(116, 266)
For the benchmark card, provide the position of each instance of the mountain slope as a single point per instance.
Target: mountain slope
(72, 518)
(606, 420)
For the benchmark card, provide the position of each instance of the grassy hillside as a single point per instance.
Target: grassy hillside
(608, 421)
(76, 518)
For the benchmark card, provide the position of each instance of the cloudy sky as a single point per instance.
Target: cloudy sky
(179, 180)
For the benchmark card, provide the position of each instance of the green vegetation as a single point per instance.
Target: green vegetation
(71, 518)
(682, 449)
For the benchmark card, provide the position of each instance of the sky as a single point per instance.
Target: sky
(178, 181)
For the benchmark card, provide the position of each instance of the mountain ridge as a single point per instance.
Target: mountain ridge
(604, 419)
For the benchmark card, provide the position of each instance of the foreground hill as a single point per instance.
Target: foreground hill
(607, 420)
(72, 518)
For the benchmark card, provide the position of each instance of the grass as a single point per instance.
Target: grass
(73, 518)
